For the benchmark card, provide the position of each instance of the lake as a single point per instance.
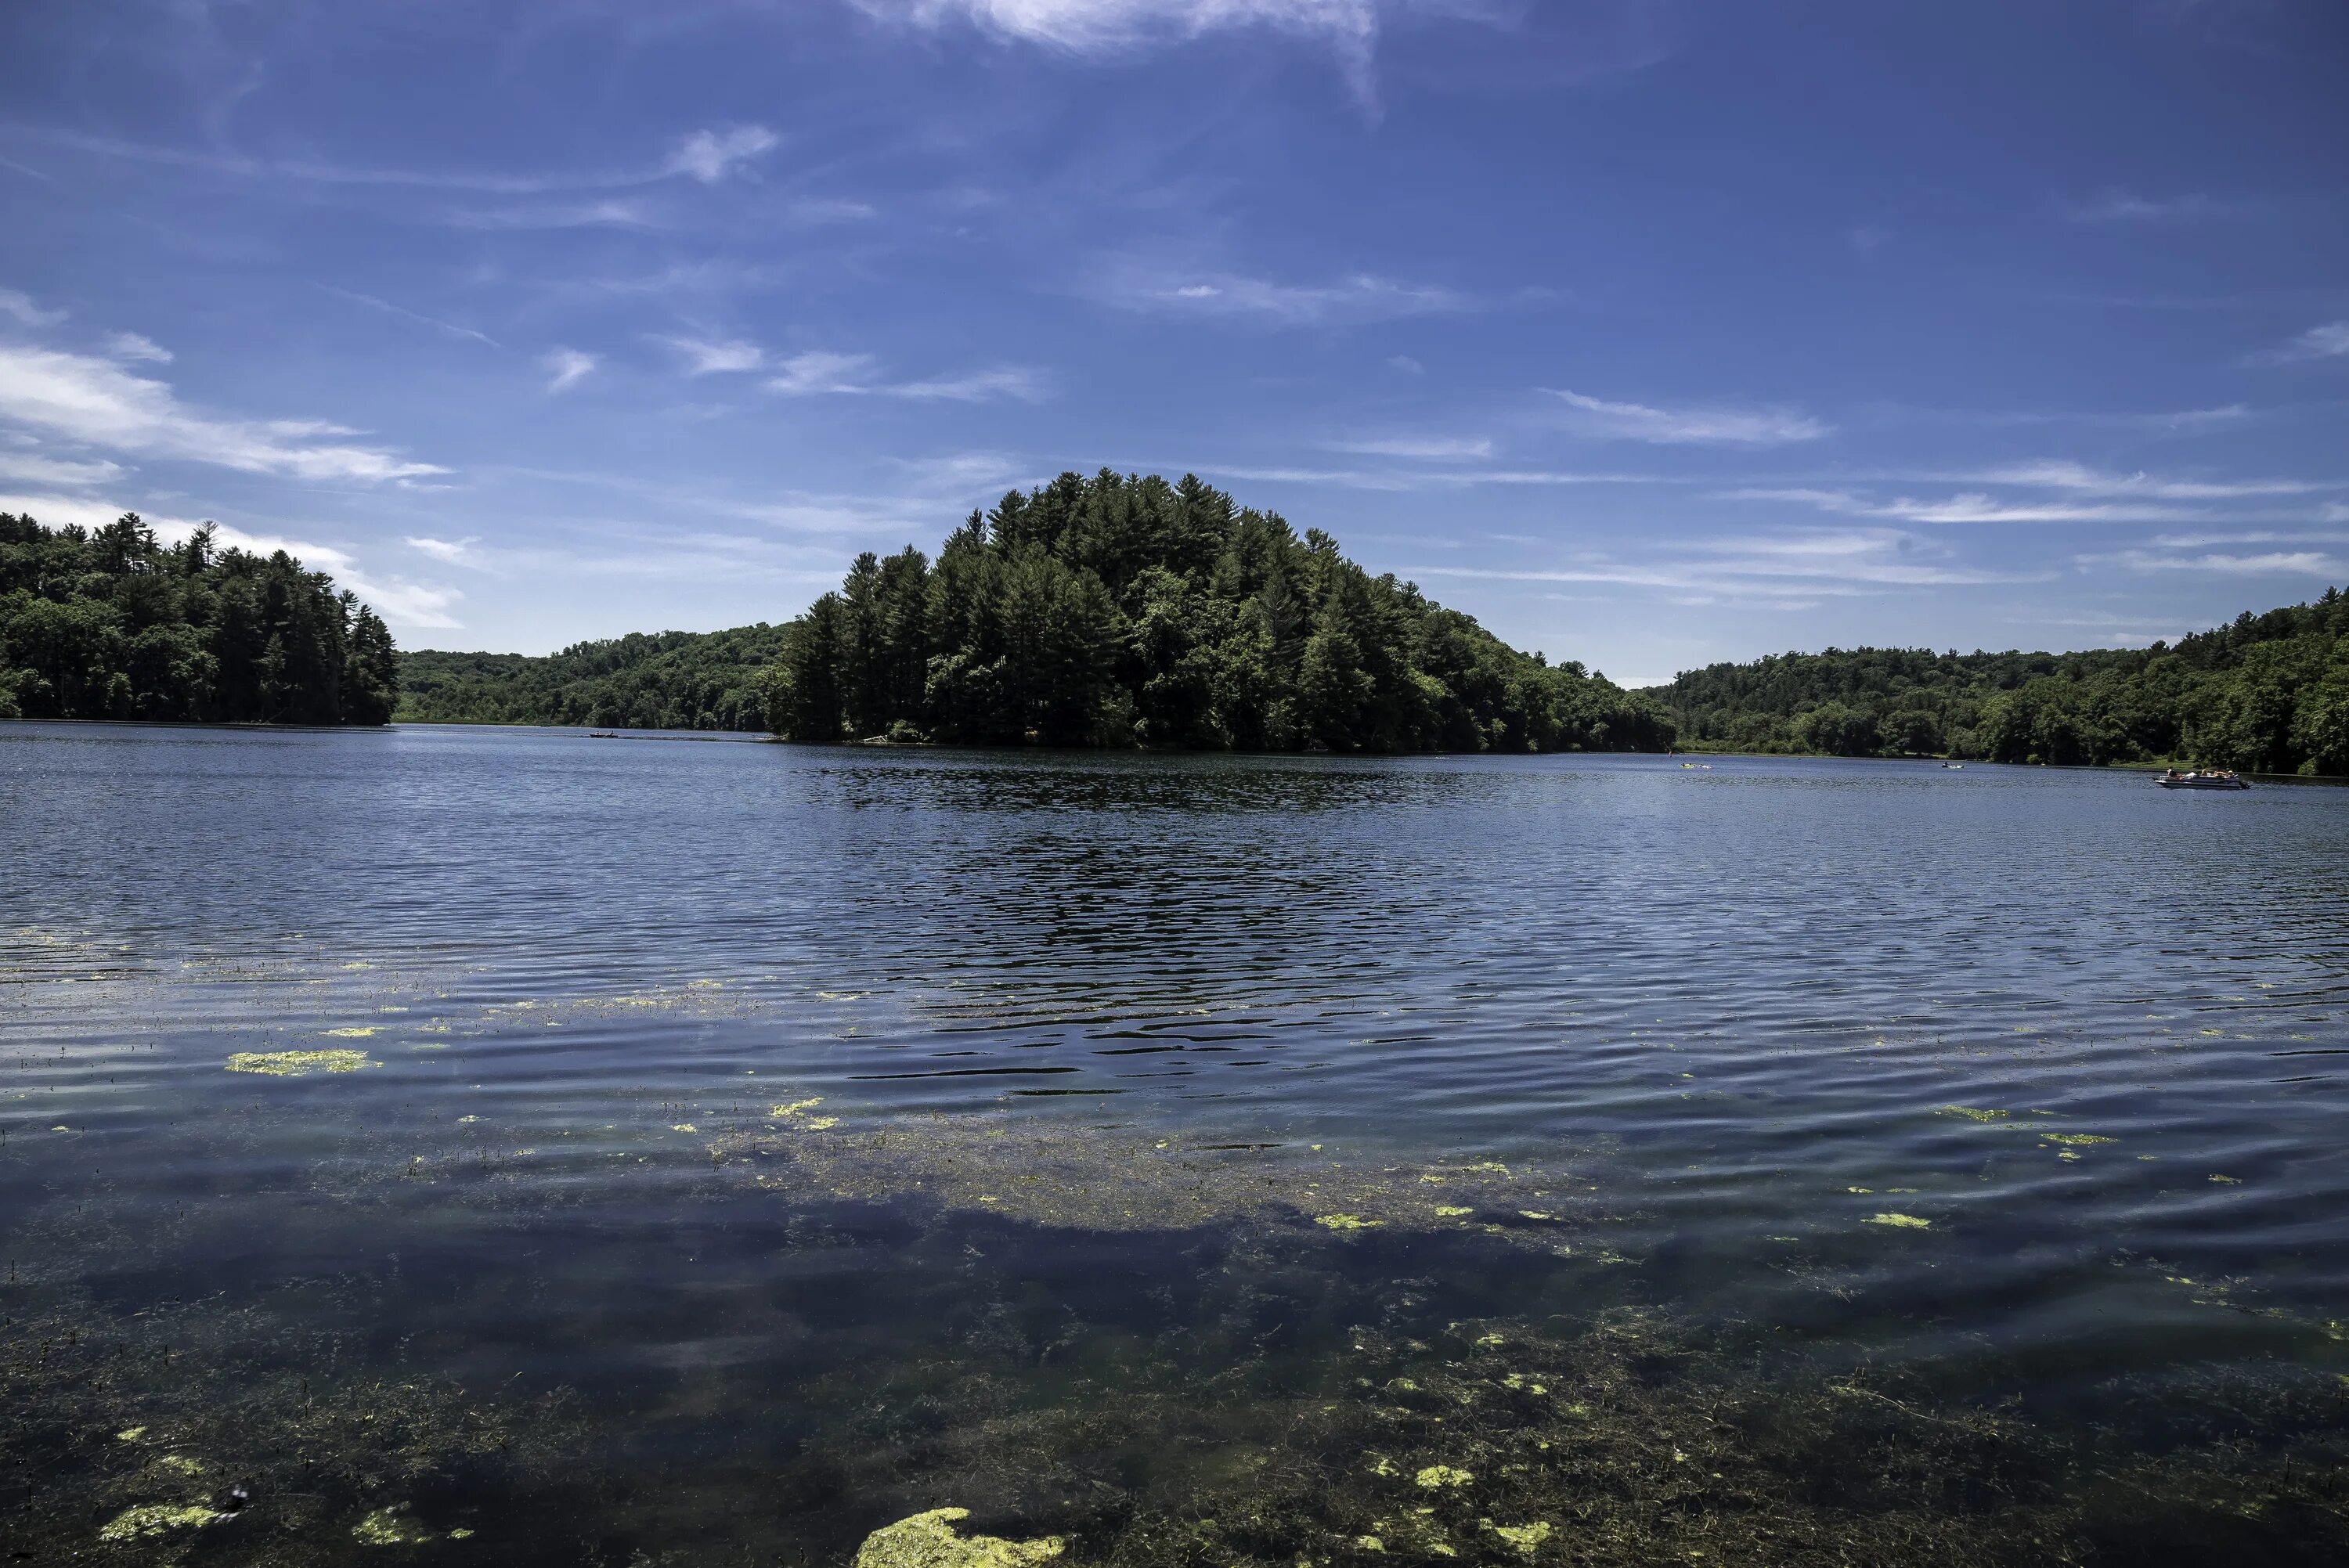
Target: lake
(738, 1148)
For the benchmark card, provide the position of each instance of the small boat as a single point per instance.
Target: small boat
(2203, 779)
(1698, 767)
(1955, 767)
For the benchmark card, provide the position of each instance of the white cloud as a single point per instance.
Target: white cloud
(1977, 507)
(706, 358)
(31, 468)
(2057, 474)
(566, 367)
(1697, 426)
(2277, 563)
(19, 307)
(2330, 341)
(2124, 206)
(1359, 298)
(133, 346)
(455, 551)
(99, 403)
(1101, 26)
(849, 375)
(811, 209)
(611, 213)
(977, 387)
(710, 156)
(814, 372)
(1778, 569)
(1407, 364)
(1433, 449)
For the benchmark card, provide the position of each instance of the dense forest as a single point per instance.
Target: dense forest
(2268, 693)
(1112, 610)
(112, 624)
(1120, 611)
(661, 680)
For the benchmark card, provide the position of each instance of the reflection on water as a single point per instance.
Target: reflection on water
(714, 1153)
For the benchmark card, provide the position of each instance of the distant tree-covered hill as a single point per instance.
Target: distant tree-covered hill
(658, 680)
(2269, 693)
(1120, 611)
(1112, 610)
(114, 625)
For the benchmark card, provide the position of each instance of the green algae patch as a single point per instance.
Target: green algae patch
(930, 1541)
(298, 1064)
(390, 1527)
(1347, 1222)
(1452, 1211)
(151, 1519)
(1525, 1537)
(1972, 1113)
(1435, 1478)
(356, 1032)
(2078, 1138)
(1905, 1222)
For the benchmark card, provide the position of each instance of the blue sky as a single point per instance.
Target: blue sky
(1651, 332)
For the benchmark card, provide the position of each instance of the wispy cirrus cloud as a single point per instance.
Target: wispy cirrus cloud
(1352, 300)
(713, 357)
(566, 367)
(1426, 448)
(386, 307)
(2120, 205)
(1711, 426)
(2272, 563)
(707, 156)
(451, 552)
(710, 156)
(20, 308)
(2328, 341)
(1786, 570)
(96, 403)
(822, 373)
(2062, 475)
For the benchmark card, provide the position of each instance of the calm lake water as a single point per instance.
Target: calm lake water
(1204, 1160)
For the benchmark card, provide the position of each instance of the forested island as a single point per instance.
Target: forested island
(113, 623)
(1113, 611)
(2267, 693)
(1118, 611)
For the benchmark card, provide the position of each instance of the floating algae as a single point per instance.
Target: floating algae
(1437, 1477)
(928, 1540)
(390, 1527)
(357, 1032)
(1524, 1537)
(295, 1064)
(148, 1518)
(1972, 1114)
(2078, 1138)
(1907, 1221)
(1347, 1222)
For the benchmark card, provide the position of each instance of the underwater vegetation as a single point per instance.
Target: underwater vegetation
(295, 1064)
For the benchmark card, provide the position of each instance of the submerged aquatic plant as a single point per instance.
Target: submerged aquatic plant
(294, 1064)
(390, 1527)
(156, 1518)
(929, 1541)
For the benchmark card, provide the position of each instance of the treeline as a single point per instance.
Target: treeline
(1119, 610)
(113, 623)
(2267, 693)
(659, 680)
